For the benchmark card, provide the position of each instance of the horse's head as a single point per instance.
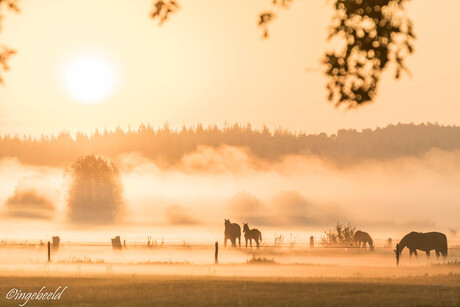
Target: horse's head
(227, 222)
(245, 227)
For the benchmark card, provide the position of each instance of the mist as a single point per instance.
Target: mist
(295, 193)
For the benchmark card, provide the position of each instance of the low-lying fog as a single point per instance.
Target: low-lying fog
(297, 196)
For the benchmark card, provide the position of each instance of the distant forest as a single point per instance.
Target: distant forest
(169, 146)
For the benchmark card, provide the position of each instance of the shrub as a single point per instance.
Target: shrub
(341, 235)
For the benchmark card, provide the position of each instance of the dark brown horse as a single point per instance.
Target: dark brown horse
(423, 241)
(364, 238)
(251, 234)
(232, 232)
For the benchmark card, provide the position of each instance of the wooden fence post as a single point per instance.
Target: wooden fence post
(216, 255)
(49, 251)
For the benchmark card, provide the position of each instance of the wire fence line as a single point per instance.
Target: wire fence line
(455, 246)
(69, 252)
(117, 243)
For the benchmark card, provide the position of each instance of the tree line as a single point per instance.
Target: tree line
(170, 145)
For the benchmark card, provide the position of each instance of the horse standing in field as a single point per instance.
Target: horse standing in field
(364, 238)
(232, 232)
(251, 234)
(423, 241)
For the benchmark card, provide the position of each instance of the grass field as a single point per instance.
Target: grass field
(439, 290)
(324, 277)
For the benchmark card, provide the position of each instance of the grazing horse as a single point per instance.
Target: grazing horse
(232, 232)
(364, 238)
(423, 241)
(251, 234)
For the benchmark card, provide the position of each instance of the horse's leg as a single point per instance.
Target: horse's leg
(250, 242)
(257, 242)
(239, 240)
(437, 254)
(415, 253)
(410, 253)
(428, 255)
(225, 241)
(246, 242)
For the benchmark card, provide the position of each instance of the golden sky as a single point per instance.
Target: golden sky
(208, 64)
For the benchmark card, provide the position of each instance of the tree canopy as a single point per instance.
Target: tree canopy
(373, 33)
(167, 147)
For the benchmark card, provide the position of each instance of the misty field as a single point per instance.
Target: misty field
(185, 275)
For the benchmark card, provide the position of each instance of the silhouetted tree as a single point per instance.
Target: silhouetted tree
(95, 193)
(168, 146)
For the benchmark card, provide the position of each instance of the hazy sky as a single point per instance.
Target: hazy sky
(208, 64)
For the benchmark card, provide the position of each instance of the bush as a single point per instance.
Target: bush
(339, 236)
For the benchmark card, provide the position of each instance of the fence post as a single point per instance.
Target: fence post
(49, 251)
(312, 242)
(216, 255)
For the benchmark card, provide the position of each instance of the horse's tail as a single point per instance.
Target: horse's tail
(446, 249)
(260, 236)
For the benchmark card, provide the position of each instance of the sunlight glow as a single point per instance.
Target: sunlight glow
(90, 78)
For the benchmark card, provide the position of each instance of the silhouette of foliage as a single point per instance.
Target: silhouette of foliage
(162, 9)
(5, 52)
(8, 4)
(341, 235)
(375, 33)
(265, 18)
(95, 194)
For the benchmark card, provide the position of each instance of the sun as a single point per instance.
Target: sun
(90, 78)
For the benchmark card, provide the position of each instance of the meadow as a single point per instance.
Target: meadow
(436, 290)
(97, 275)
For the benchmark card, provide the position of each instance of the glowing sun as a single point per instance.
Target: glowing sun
(90, 78)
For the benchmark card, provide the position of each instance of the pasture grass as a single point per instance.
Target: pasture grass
(425, 290)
